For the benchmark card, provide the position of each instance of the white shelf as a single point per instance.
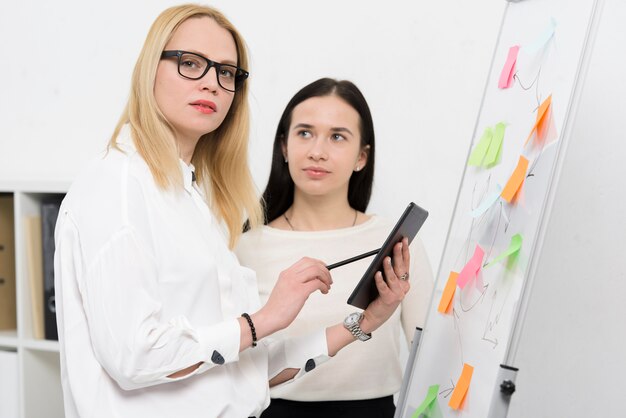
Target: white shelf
(41, 345)
(8, 339)
(52, 186)
(39, 372)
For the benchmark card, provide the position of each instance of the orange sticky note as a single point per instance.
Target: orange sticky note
(461, 388)
(516, 179)
(445, 304)
(541, 123)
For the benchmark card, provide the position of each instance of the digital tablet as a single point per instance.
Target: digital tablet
(407, 226)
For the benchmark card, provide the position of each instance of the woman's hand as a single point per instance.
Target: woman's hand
(391, 290)
(292, 289)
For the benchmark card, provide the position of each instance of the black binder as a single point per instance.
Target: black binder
(49, 215)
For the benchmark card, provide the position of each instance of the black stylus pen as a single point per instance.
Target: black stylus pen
(355, 258)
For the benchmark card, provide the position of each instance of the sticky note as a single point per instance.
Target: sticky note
(542, 121)
(516, 179)
(514, 247)
(488, 150)
(445, 304)
(461, 388)
(480, 150)
(542, 39)
(487, 203)
(508, 71)
(495, 148)
(472, 268)
(428, 404)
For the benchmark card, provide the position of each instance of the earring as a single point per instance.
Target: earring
(286, 160)
(358, 168)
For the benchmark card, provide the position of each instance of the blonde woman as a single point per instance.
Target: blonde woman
(156, 317)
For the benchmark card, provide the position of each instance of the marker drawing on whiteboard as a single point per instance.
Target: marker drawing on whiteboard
(481, 297)
(493, 241)
(489, 326)
(455, 315)
(448, 391)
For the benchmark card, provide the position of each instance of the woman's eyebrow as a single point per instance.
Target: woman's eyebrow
(225, 61)
(333, 129)
(342, 129)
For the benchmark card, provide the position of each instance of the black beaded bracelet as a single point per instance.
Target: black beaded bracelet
(245, 315)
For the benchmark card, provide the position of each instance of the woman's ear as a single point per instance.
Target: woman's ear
(362, 160)
(284, 148)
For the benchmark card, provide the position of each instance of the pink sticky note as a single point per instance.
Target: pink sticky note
(508, 71)
(472, 267)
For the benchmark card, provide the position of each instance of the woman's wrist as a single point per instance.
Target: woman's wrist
(264, 324)
(366, 324)
(252, 328)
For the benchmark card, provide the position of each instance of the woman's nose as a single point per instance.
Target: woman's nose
(318, 150)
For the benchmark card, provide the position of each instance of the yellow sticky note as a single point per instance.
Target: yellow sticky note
(516, 179)
(445, 304)
(461, 388)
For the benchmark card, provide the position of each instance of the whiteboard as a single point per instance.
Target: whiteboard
(477, 331)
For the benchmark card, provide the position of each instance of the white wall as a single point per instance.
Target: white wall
(421, 65)
(58, 113)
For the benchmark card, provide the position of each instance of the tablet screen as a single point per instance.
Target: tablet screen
(407, 226)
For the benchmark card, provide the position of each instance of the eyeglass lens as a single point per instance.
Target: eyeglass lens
(194, 67)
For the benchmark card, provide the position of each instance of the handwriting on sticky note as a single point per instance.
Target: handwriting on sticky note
(516, 179)
(445, 304)
(462, 387)
(508, 71)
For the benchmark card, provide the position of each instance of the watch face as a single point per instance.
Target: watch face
(353, 318)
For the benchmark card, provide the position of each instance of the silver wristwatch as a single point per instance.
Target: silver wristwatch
(352, 324)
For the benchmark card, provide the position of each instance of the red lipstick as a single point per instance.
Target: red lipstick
(204, 106)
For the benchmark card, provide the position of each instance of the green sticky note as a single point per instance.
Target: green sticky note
(429, 404)
(480, 150)
(495, 148)
(514, 247)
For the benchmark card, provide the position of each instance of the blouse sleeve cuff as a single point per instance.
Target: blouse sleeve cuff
(220, 343)
(304, 353)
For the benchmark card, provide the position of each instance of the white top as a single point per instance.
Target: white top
(362, 370)
(146, 286)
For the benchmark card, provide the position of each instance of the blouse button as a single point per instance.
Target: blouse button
(217, 358)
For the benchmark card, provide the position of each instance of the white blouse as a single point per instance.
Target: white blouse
(146, 286)
(362, 370)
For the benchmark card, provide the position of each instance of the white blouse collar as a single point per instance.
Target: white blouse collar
(126, 143)
(188, 172)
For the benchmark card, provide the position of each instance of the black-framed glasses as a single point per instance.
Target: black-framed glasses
(194, 67)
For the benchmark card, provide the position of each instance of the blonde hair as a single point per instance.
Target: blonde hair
(221, 156)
